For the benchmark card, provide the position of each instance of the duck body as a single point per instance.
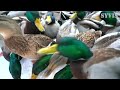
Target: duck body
(51, 30)
(40, 65)
(102, 60)
(23, 46)
(50, 24)
(15, 66)
(103, 65)
(56, 64)
(68, 29)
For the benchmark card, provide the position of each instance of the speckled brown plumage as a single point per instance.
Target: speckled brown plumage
(27, 46)
(89, 37)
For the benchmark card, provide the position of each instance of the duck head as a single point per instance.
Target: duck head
(69, 47)
(50, 18)
(33, 16)
(78, 14)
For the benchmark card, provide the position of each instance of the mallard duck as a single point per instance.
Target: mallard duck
(106, 40)
(102, 20)
(50, 24)
(77, 17)
(67, 29)
(56, 63)
(33, 24)
(15, 66)
(100, 63)
(89, 37)
(30, 22)
(40, 65)
(26, 28)
(24, 46)
(66, 45)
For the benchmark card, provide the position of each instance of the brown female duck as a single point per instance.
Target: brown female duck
(26, 46)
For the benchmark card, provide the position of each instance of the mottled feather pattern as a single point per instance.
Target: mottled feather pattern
(56, 60)
(106, 41)
(27, 46)
(88, 37)
(100, 55)
(17, 44)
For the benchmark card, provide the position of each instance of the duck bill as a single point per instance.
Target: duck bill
(48, 50)
(39, 25)
(73, 16)
(48, 19)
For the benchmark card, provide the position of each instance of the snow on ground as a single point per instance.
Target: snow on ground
(4, 68)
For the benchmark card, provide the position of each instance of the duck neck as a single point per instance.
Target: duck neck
(77, 69)
(76, 20)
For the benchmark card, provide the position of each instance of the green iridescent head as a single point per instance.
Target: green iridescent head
(33, 16)
(69, 47)
(78, 14)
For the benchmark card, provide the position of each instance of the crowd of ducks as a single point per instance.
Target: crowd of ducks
(61, 44)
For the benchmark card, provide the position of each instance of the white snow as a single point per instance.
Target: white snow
(4, 68)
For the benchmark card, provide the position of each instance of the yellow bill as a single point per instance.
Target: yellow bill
(73, 16)
(48, 19)
(48, 50)
(39, 24)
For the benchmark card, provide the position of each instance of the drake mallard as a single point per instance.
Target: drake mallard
(77, 17)
(66, 45)
(33, 24)
(15, 66)
(50, 24)
(40, 65)
(56, 64)
(84, 62)
(101, 20)
(24, 46)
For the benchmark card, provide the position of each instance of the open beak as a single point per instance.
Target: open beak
(48, 50)
(39, 24)
(48, 19)
(73, 16)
